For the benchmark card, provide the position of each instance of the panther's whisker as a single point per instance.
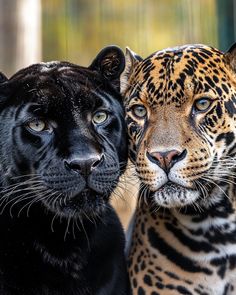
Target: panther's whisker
(67, 227)
(32, 176)
(73, 223)
(84, 230)
(54, 217)
(19, 198)
(23, 198)
(39, 198)
(15, 186)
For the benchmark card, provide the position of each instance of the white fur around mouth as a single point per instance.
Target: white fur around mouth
(172, 195)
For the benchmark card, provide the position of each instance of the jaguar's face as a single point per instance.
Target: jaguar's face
(180, 110)
(63, 139)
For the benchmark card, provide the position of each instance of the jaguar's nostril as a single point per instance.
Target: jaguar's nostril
(167, 159)
(180, 156)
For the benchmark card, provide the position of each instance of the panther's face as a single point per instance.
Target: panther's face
(62, 130)
(181, 116)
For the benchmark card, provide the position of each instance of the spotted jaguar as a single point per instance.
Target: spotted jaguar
(181, 116)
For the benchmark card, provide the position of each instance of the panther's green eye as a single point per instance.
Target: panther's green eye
(139, 111)
(202, 104)
(100, 117)
(39, 125)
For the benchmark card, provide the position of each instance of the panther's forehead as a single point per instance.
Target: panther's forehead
(47, 66)
(56, 85)
(176, 75)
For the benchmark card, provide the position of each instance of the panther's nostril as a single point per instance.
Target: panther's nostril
(74, 165)
(97, 162)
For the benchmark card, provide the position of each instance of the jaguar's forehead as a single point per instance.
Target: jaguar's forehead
(175, 75)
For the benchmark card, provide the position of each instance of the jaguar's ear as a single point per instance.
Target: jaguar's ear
(131, 60)
(110, 62)
(230, 57)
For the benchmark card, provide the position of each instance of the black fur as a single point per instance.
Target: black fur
(59, 235)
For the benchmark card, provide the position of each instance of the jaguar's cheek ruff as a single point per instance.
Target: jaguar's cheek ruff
(184, 228)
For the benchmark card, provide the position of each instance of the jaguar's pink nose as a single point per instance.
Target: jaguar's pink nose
(167, 159)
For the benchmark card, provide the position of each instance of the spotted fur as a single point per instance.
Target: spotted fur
(184, 232)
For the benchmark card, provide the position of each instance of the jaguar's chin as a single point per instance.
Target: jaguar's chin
(87, 203)
(172, 195)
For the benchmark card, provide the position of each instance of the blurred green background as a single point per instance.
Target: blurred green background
(76, 30)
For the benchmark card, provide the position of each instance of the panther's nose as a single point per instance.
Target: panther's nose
(84, 165)
(167, 159)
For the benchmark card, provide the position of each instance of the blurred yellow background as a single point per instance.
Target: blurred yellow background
(75, 30)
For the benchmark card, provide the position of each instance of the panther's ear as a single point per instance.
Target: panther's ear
(3, 78)
(3, 88)
(230, 57)
(110, 62)
(131, 60)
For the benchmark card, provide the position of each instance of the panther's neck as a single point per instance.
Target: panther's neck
(50, 229)
(39, 245)
(39, 233)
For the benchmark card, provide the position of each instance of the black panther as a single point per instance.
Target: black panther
(63, 147)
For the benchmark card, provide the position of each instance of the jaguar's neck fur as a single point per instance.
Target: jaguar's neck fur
(193, 249)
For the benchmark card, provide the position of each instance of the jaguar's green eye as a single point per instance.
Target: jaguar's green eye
(139, 111)
(202, 104)
(100, 117)
(38, 125)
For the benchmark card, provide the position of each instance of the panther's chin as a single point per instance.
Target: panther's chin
(85, 203)
(172, 195)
